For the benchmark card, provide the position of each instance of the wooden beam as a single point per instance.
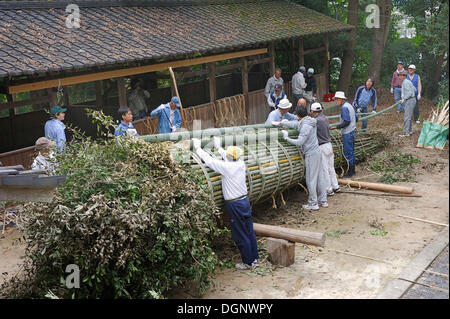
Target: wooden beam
(122, 92)
(377, 186)
(130, 71)
(293, 235)
(301, 53)
(315, 50)
(212, 81)
(36, 100)
(272, 58)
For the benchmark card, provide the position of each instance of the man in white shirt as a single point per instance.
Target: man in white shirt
(237, 204)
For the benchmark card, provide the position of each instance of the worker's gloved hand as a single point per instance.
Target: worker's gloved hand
(374, 112)
(358, 110)
(284, 121)
(392, 90)
(173, 128)
(285, 134)
(131, 132)
(196, 143)
(418, 97)
(217, 142)
(160, 107)
(402, 101)
(276, 123)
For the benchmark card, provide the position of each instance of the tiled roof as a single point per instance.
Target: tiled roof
(34, 38)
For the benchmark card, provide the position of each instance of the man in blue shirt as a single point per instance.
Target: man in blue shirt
(276, 96)
(54, 128)
(281, 113)
(169, 116)
(347, 125)
(125, 127)
(365, 95)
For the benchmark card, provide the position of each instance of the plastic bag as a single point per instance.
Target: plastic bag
(432, 136)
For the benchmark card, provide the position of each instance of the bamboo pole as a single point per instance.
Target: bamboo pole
(376, 186)
(293, 235)
(178, 95)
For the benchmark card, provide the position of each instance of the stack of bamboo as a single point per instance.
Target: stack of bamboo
(440, 115)
(273, 164)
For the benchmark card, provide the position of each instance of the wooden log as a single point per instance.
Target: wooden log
(174, 81)
(293, 235)
(376, 186)
(281, 252)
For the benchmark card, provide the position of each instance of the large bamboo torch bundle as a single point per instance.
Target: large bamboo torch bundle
(273, 164)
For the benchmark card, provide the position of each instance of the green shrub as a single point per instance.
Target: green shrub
(134, 221)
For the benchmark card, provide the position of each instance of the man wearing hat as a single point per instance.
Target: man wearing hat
(298, 84)
(275, 79)
(347, 125)
(276, 96)
(307, 139)
(326, 149)
(396, 86)
(281, 113)
(169, 116)
(311, 87)
(237, 205)
(415, 79)
(54, 128)
(44, 160)
(409, 101)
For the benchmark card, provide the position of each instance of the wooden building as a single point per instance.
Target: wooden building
(222, 52)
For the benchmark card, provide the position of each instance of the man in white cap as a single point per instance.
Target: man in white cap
(237, 204)
(169, 116)
(347, 125)
(281, 113)
(275, 79)
(298, 84)
(415, 79)
(307, 139)
(326, 148)
(311, 87)
(409, 101)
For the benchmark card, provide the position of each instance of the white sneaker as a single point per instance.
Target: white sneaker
(331, 193)
(337, 190)
(404, 135)
(324, 204)
(243, 266)
(310, 207)
(417, 122)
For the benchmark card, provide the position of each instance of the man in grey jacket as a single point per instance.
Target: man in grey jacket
(307, 139)
(275, 79)
(409, 101)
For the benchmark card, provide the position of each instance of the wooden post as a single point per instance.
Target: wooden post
(272, 58)
(280, 251)
(326, 68)
(301, 55)
(292, 56)
(122, 92)
(245, 85)
(98, 94)
(12, 115)
(377, 186)
(212, 81)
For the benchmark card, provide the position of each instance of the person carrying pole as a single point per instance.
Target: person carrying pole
(365, 95)
(237, 204)
(307, 139)
(347, 125)
(326, 149)
(169, 116)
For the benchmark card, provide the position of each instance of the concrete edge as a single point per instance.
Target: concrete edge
(397, 287)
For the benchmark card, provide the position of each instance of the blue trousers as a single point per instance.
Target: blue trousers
(241, 224)
(364, 122)
(349, 146)
(398, 97)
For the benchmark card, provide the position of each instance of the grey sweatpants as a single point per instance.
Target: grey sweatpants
(315, 179)
(409, 111)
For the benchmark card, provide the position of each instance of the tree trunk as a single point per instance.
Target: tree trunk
(379, 39)
(347, 62)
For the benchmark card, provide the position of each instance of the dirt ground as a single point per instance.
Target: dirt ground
(323, 272)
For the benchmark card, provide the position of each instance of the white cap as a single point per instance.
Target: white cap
(284, 104)
(311, 70)
(339, 95)
(412, 66)
(316, 107)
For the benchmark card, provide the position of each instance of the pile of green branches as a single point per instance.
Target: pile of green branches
(135, 222)
(394, 166)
